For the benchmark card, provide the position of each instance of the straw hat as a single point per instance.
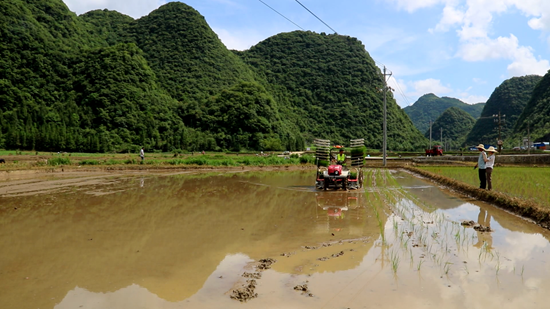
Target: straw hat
(480, 146)
(491, 149)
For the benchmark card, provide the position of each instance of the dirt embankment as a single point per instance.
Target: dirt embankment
(526, 209)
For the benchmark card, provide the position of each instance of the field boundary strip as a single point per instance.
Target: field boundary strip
(518, 206)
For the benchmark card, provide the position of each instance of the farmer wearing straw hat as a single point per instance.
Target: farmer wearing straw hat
(481, 164)
(489, 166)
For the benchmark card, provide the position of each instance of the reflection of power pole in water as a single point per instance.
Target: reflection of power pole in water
(142, 182)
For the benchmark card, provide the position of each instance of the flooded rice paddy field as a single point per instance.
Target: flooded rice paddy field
(212, 240)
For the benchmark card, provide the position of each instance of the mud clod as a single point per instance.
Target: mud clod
(481, 228)
(265, 263)
(323, 258)
(301, 287)
(252, 275)
(467, 223)
(246, 292)
(338, 254)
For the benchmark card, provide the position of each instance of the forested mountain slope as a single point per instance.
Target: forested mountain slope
(103, 81)
(429, 106)
(454, 124)
(332, 88)
(536, 113)
(510, 98)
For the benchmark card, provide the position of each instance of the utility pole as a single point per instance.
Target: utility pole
(385, 141)
(528, 138)
(430, 135)
(498, 118)
(441, 134)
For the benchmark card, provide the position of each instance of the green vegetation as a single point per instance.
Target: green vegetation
(19, 160)
(510, 98)
(455, 124)
(529, 183)
(536, 114)
(429, 107)
(104, 82)
(329, 87)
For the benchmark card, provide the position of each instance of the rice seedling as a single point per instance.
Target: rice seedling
(447, 267)
(419, 264)
(394, 259)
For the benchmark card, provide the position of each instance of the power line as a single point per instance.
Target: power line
(401, 92)
(316, 17)
(281, 15)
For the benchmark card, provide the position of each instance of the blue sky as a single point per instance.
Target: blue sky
(456, 48)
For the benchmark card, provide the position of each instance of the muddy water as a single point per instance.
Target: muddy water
(184, 241)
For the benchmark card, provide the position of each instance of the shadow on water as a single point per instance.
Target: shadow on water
(183, 241)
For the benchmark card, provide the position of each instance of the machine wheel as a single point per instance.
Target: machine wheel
(345, 184)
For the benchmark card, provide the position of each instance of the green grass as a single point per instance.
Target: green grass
(530, 183)
(29, 159)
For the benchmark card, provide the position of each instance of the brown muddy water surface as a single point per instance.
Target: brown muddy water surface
(186, 240)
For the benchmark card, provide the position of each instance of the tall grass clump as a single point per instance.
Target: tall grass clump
(59, 161)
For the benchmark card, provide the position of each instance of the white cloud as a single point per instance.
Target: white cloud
(525, 63)
(523, 60)
(413, 5)
(134, 8)
(451, 17)
(487, 49)
(473, 20)
(238, 40)
(407, 92)
(472, 99)
(430, 85)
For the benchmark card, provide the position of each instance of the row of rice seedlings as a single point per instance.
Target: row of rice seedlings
(439, 238)
(427, 235)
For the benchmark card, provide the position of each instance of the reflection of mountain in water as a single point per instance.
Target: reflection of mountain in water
(167, 236)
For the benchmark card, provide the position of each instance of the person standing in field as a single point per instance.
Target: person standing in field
(489, 166)
(142, 154)
(481, 164)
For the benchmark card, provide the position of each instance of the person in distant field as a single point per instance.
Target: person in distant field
(481, 164)
(142, 154)
(341, 157)
(489, 166)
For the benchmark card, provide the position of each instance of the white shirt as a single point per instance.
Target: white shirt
(141, 153)
(490, 161)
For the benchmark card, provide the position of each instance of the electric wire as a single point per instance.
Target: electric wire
(281, 14)
(335, 32)
(316, 17)
(401, 92)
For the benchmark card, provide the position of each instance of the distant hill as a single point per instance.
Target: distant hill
(535, 114)
(454, 124)
(510, 98)
(429, 106)
(104, 82)
(329, 86)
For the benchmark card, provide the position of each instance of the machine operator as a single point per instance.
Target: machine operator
(341, 157)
